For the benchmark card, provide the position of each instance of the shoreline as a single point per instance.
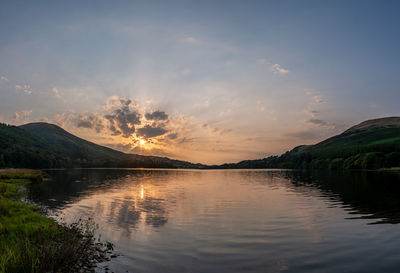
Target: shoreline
(31, 241)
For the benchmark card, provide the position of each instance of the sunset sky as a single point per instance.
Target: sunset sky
(203, 81)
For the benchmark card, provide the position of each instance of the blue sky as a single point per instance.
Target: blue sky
(231, 80)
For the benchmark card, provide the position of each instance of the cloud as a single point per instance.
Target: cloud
(312, 113)
(318, 100)
(120, 146)
(315, 99)
(191, 40)
(317, 121)
(149, 131)
(22, 115)
(25, 88)
(278, 69)
(173, 136)
(320, 122)
(123, 119)
(57, 93)
(89, 122)
(157, 115)
(3, 79)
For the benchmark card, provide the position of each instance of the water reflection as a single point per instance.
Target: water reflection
(126, 211)
(367, 195)
(235, 220)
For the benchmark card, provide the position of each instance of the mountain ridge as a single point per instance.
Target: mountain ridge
(368, 145)
(45, 145)
(378, 122)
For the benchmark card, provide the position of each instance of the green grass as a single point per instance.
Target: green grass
(397, 169)
(31, 242)
(386, 141)
(22, 175)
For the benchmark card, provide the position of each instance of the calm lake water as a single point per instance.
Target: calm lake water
(236, 220)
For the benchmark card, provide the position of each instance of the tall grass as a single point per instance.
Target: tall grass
(48, 248)
(33, 243)
(25, 174)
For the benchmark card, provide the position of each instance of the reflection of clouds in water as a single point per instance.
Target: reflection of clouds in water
(127, 217)
(129, 212)
(274, 221)
(154, 208)
(124, 215)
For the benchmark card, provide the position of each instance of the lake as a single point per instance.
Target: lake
(235, 220)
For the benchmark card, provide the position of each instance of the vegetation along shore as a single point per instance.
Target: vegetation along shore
(32, 242)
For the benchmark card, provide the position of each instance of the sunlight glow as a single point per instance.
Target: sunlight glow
(142, 193)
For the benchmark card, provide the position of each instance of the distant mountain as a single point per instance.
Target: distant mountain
(371, 144)
(44, 145)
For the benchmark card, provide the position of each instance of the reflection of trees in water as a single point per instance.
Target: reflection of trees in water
(375, 195)
(66, 186)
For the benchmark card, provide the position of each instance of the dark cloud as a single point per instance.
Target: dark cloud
(123, 120)
(225, 131)
(173, 136)
(186, 140)
(156, 115)
(151, 131)
(312, 113)
(89, 122)
(318, 122)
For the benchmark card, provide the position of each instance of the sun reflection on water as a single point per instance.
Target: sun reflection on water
(141, 192)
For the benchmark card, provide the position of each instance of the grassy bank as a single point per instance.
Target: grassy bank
(31, 242)
(397, 169)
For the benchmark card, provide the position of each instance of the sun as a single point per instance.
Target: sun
(142, 141)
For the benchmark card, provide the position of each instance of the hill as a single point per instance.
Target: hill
(371, 144)
(44, 145)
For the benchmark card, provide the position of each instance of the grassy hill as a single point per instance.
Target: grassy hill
(369, 145)
(43, 145)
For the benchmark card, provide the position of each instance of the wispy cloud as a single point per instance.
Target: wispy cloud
(320, 122)
(278, 69)
(318, 100)
(311, 113)
(317, 121)
(89, 121)
(24, 88)
(59, 95)
(21, 116)
(4, 79)
(190, 40)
